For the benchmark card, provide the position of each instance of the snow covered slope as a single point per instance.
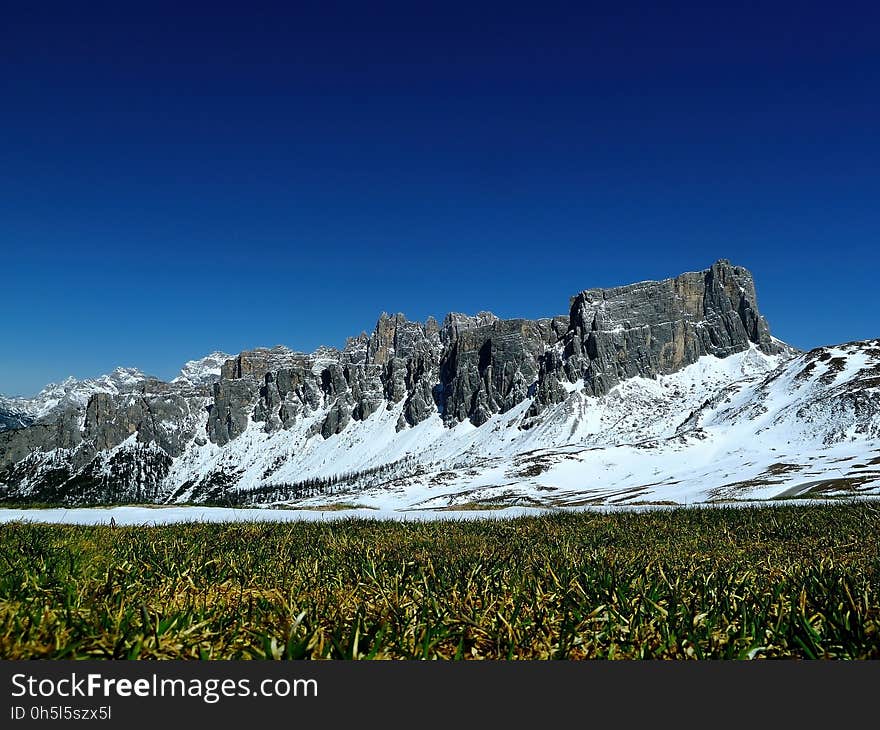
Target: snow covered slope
(746, 427)
(668, 392)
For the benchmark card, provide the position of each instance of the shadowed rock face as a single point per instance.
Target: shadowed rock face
(488, 366)
(468, 368)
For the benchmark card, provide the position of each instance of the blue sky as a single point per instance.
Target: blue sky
(176, 181)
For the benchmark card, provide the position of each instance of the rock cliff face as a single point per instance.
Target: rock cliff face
(124, 444)
(489, 365)
(654, 328)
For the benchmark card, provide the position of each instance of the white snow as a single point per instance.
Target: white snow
(151, 516)
(647, 441)
(724, 430)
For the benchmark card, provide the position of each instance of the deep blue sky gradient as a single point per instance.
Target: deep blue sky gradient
(179, 180)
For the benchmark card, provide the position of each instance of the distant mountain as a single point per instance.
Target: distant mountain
(202, 372)
(657, 392)
(14, 413)
(70, 393)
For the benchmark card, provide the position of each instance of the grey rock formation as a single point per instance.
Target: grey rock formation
(469, 368)
(488, 365)
(653, 328)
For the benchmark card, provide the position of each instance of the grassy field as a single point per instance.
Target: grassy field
(716, 583)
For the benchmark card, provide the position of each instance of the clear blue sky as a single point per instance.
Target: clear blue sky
(175, 180)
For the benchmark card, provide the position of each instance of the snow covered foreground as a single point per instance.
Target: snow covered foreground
(150, 516)
(736, 430)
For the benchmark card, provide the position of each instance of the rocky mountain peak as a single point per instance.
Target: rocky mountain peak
(655, 327)
(425, 376)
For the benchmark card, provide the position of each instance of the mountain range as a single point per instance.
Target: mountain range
(666, 392)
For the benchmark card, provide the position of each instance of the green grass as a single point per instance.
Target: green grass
(735, 583)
